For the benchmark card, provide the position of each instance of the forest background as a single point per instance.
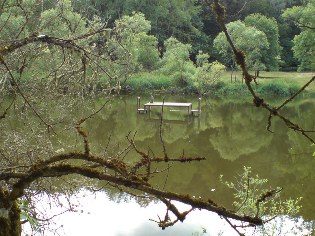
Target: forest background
(173, 45)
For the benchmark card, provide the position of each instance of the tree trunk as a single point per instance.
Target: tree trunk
(10, 224)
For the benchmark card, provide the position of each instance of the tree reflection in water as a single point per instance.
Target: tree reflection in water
(280, 153)
(98, 215)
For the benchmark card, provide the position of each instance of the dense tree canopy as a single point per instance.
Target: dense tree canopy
(304, 47)
(257, 37)
(192, 22)
(270, 57)
(251, 41)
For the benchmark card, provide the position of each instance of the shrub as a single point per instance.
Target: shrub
(207, 74)
(232, 89)
(277, 88)
(176, 63)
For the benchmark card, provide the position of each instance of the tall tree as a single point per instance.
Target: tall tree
(131, 45)
(269, 26)
(251, 41)
(176, 63)
(304, 47)
(169, 18)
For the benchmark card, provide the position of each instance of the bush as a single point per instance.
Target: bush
(176, 63)
(231, 89)
(207, 74)
(277, 88)
(270, 88)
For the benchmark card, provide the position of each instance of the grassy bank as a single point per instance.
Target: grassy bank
(269, 83)
(149, 81)
(287, 78)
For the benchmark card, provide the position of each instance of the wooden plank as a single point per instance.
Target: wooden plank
(167, 104)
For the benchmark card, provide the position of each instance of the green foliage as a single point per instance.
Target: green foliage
(253, 198)
(62, 21)
(207, 74)
(147, 53)
(269, 26)
(304, 47)
(177, 18)
(28, 214)
(129, 26)
(35, 61)
(176, 63)
(131, 46)
(231, 89)
(257, 37)
(13, 20)
(148, 81)
(248, 39)
(277, 88)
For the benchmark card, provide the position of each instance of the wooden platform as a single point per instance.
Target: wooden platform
(149, 105)
(188, 105)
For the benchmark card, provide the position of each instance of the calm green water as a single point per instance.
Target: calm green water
(230, 134)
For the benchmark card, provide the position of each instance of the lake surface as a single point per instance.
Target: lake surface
(230, 134)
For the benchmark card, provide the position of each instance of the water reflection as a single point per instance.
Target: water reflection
(101, 216)
(230, 134)
(129, 219)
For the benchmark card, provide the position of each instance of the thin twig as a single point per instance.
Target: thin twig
(297, 93)
(247, 191)
(7, 109)
(161, 131)
(233, 226)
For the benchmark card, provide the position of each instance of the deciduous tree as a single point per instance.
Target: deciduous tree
(304, 46)
(271, 56)
(248, 39)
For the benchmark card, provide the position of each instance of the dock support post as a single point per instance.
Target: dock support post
(198, 110)
(199, 106)
(140, 110)
(138, 104)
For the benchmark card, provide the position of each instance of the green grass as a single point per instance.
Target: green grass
(269, 83)
(287, 78)
(149, 81)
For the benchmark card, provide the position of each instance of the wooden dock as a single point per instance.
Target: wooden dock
(147, 106)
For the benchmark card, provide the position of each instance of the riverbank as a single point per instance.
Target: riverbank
(269, 84)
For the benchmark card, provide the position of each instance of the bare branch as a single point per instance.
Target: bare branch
(233, 226)
(7, 109)
(297, 93)
(49, 126)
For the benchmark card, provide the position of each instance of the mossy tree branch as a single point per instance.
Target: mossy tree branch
(134, 182)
